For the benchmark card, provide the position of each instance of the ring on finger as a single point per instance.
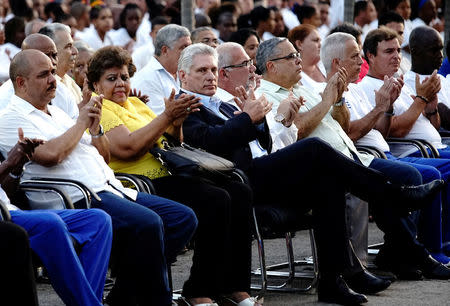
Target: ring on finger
(188, 109)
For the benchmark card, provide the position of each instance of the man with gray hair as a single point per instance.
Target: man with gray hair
(159, 76)
(369, 124)
(222, 129)
(62, 98)
(61, 35)
(205, 35)
(324, 116)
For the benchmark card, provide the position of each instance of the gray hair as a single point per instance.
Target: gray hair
(168, 36)
(188, 54)
(198, 30)
(51, 29)
(266, 50)
(225, 53)
(82, 46)
(30, 25)
(334, 47)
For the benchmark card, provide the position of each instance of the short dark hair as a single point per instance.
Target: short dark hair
(63, 17)
(258, 14)
(360, 6)
(123, 13)
(12, 26)
(347, 28)
(388, 17)
(95, 11)
(159, 20)
(241, 36)
(304, 11)
(393, 4)
(376, 36)
(106, 58)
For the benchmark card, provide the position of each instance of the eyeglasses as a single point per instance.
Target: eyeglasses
(288, 57)
(247, 63)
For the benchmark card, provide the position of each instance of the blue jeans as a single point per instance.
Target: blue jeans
(437, 216)
(150, 232)
(78, 279)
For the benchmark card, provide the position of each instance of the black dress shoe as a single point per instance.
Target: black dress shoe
(417, 197)
(401, 269)
(336, 291)
(432, 268)
(367, 283)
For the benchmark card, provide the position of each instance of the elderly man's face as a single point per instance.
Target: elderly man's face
(81, 65)
(172, 55)
(40, 83)
(207, 37)
(66, 51)
(241, 72)
(202, 77)
(352, 60)
(387, 60)
(287, 69)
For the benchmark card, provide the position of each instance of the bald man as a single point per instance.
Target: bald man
(77, 278)
(63, 98)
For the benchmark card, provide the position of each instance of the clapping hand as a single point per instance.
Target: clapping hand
(177, 109)
(22, 152)
(256, 108)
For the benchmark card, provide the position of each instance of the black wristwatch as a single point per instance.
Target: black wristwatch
(100, 132)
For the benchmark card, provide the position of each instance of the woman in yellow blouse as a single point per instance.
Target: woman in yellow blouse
(222, 248)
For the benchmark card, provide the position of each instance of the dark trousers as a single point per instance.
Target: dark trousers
(318, 176)
(222, 250)
(17, 284)
(151, 232)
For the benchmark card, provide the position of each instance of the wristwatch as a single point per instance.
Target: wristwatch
(100, 132)
(280, 118)
(340, 102)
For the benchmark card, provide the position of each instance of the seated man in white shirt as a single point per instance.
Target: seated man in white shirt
(63, 99)
(369, 124)
(159, 76)
(142, 55)
(326, 117)
(416, 115)
(426, 50)
(78, 279)
(151, 229)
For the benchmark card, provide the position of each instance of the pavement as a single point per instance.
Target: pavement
(425, 292)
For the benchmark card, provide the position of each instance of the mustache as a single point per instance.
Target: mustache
(51, 87)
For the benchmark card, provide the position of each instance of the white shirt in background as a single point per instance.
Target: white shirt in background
(154, 81)
(142, 55)
(91, 37)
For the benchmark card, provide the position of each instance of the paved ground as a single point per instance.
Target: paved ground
(424, 292)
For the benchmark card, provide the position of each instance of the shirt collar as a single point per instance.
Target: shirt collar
(21, 106)
(272, 87)
(224, 95)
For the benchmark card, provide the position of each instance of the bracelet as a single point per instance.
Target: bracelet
(15, 176)
(423, 98)
(340, 102)
(100, 132)
(432, 113)
(389, 114)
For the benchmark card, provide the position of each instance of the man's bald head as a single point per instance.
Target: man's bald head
(426, 48)
(37, 41)
(32, 75)
(42, 43)
(20, 64)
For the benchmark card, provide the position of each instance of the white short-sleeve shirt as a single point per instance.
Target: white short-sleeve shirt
(83, 164)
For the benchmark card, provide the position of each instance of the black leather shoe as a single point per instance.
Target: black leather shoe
(336, 291)
(402, 270)
(367, 283)
(432, 268)
(416, 197)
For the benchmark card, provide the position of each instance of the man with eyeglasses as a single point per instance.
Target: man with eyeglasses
(292, 176)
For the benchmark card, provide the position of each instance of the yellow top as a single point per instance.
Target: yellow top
(134, 114)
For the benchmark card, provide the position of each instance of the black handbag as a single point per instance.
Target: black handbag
(182, 159)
